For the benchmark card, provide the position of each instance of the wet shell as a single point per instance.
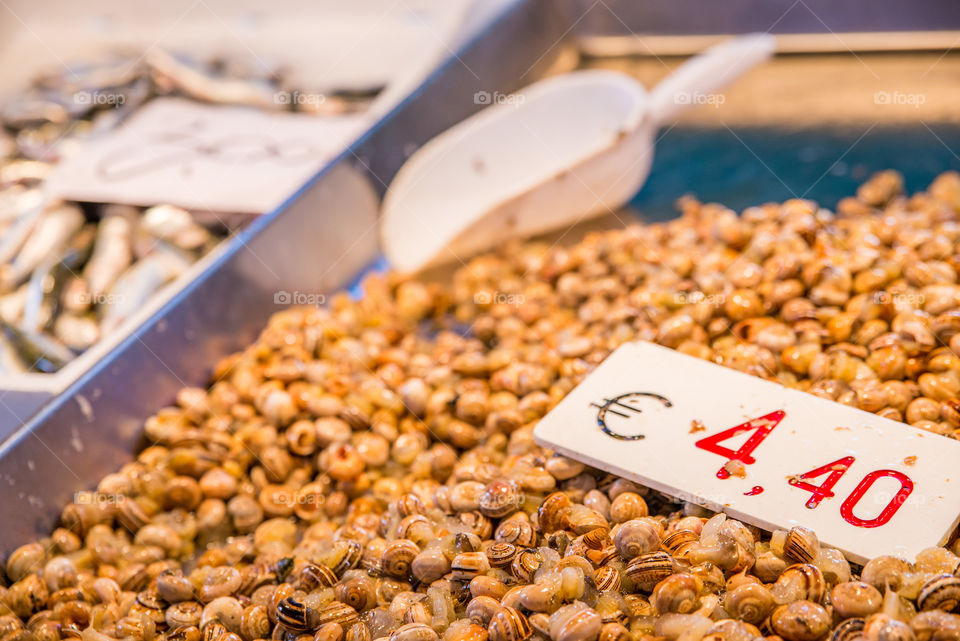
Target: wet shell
(750, 602)
(648, 570)
(414, 632)
(477, 523)
(397, 558)
(800, 582)
(409, 504)
(525, 564)
(884, 571)
(553, 513)
(359, 594)
(315, 576)
(499, 499)
(678, 593)
(350, 555)
(801, 545)
(517, 531)
(336, 612)
(509, 625)
(848, 630)
(800, 621)
(292, 615)
(636, 537)
(614, 632)
(501, 555)
(679, 543)
(468, 565)
(607, 578)
(940, 593)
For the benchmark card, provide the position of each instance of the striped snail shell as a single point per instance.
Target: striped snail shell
(315, 576)
(414, 632)
(679, 543)
(467, 565)
(802, 581)
(501, 555)
(477, 523)
(509, 625)
(800, 621)
(732, 630)
(350, 554)
(525, 564)
(409, 504)
(801, 545)
(397, 558)
(292, 615)
(336, 612)
(679, 593)
(882, 627)
(607, 578)
(575, 622)
(750, 602)
(647, 570)
(884, 571)
(848, 630)
(518, 531)
(942, 592)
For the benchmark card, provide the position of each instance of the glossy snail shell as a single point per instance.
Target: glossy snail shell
(679, 543)
(800, 582)
(335, 612)
(855, 599)
(525, 564)
(942, 592)
(553, 513)
(315, 576)
(800, 621)
(500, 555)
(648, 570)
(607, 578)
(517, 531)
(359, 594)
(573, 623)
(414, 632)
(884, 571)
(882, 627)
(750, 602)
(848, 630)
(292, 615)
(467, 565)
(678, 593)
(397, 558)
(509, 625)
(637, 537)
(801, 545)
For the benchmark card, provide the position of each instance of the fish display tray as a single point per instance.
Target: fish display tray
(762, 143)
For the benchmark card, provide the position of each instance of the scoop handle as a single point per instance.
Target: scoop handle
(695, 82)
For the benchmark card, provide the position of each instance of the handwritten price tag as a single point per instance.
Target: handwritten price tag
(206, 157)
(760, 452)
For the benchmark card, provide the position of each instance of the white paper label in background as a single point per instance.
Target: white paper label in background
(210, 157)
(760, 452)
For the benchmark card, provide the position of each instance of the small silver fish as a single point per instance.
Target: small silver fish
(198, 85)
(135, 287)
(77, 332)
(176, 226)
(39, 352)
(112, 254)
(53, 232)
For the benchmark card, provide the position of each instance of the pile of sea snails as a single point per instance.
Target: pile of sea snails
(367, 471)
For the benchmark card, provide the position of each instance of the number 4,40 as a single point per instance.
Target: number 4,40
(762, 427)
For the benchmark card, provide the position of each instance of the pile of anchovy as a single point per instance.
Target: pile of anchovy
(71, 274)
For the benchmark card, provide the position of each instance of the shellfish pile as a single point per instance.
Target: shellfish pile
(367, 470)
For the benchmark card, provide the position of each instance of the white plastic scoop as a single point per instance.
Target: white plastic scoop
(556, 153)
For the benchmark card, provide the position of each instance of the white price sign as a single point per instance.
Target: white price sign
(760, 452)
